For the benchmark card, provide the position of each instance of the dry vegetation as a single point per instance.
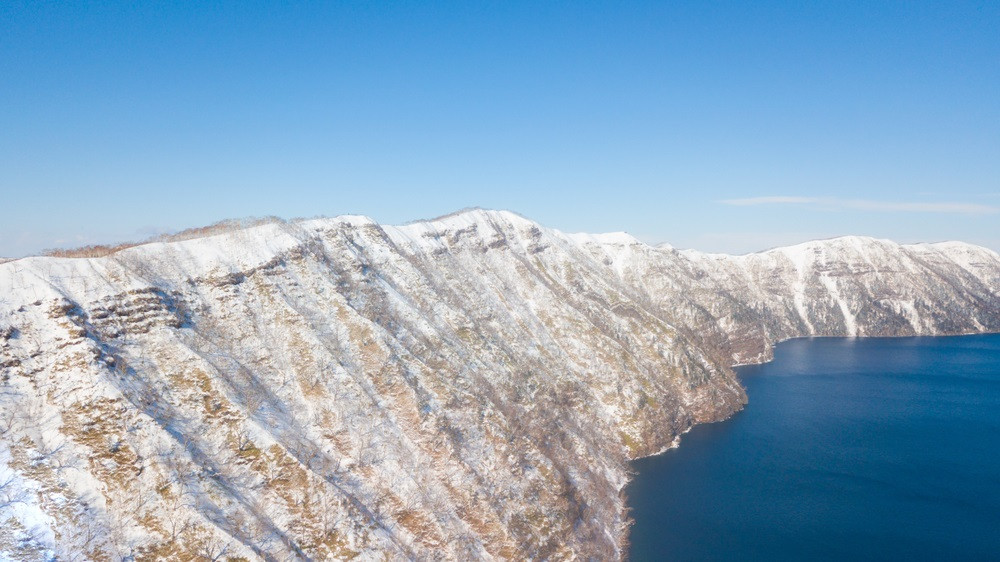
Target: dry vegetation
(102, 250)
(474, 394)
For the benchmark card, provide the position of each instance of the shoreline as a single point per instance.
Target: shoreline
(676, 441)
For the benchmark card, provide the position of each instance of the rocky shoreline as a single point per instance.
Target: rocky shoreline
(470, 387)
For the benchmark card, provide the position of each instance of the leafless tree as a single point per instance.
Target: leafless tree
(10, 417)
(177, 519)
(131, 508)
(47, 447)
(213, 548)
(330, 512)
(10, 493)
(243, 441)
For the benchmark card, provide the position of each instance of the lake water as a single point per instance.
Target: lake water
(850, 449)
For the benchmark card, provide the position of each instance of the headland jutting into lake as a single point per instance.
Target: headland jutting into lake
(862, 449)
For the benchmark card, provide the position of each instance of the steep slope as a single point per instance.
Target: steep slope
(856, 286)
(468, 387)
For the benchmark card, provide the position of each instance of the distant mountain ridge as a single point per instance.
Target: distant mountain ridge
(469, 387)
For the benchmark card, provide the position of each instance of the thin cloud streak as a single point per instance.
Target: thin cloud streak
(837, 204)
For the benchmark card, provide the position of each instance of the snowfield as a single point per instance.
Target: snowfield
(470, 387)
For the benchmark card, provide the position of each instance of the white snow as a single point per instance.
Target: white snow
(378, 349)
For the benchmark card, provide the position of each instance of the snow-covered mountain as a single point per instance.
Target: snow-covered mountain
(470, 387)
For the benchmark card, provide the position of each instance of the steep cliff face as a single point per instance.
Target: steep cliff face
(469, 387)
(850, 286)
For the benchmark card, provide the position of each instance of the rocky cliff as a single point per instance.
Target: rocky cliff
(470, 387)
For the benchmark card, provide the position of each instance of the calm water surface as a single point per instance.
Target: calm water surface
(850, 449)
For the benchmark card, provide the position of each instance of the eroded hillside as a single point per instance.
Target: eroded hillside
(465, 388)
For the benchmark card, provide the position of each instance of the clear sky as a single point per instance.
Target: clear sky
(714, 125)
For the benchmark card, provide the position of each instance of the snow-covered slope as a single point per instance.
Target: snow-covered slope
(470, 387)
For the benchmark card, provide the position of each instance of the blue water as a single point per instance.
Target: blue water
(850, 449)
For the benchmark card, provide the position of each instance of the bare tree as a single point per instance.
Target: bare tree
(329, 512)
(10, 418)
(11, 493)
(243, 441)
(213, 548)
(177, 520)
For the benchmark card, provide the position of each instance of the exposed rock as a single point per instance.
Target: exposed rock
(465, 388)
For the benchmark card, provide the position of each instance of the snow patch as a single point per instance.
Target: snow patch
(850, 322)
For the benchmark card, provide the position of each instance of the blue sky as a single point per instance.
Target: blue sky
(714, 125)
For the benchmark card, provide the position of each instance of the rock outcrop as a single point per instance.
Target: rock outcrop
(470, 387)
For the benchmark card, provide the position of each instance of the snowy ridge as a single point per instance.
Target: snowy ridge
(469, 387)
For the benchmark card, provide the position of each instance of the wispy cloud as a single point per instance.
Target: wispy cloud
(837, 204)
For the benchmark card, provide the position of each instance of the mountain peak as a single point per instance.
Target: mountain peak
(472, 216)
(439, 391)
(606, 238)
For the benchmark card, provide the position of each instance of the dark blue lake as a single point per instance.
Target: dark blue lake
(850, 449)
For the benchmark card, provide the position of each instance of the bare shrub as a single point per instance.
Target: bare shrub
(102, 250)
(92, 251)
(221, 227)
